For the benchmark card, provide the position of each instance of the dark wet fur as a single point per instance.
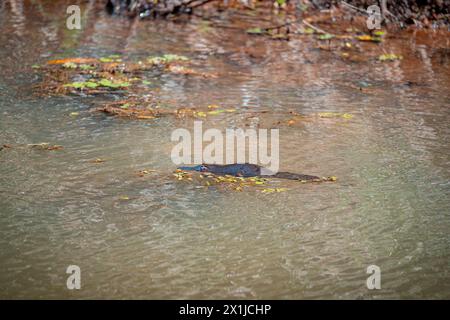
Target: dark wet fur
(253, 170)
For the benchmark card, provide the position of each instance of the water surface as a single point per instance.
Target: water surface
(390, 206)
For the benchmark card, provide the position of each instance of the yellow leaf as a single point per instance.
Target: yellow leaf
(145, 117)
(73, 60)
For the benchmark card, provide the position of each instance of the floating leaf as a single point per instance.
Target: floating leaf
(86, 67)
(309, 31)
(335, 115)
(76, 85)
(55, 147)
(91, 84)
(325, 36)
(74, 60)
(98, 160)
(254, 31)
(174, 57)
(45, 146)
(215, 112)
(114, 85)
(369, 38)
(389, 57)
(155, 60)
(145, 117)
(74, 114)
(167, 58)
(181, 70)
(347, 116)
(379, 33)
(104, 60)
(145, 172)
(272, 190)
(69, 65)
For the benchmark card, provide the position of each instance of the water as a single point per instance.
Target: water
(171, 239)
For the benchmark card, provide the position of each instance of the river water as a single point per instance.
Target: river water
(170, 239)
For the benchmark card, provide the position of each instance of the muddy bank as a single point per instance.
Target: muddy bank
(408, 12)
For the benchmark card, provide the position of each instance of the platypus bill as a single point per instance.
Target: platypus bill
(246, 170)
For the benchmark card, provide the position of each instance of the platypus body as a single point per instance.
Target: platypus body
(246, 170)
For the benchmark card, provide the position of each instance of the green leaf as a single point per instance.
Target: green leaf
(106, 60)
(214, 112)
(86, 67)
(69, 65)
(114, 85)
(91, 84)
(325, 36)
(389, 57)
(255, 30)
(76, 85)
(174, 57)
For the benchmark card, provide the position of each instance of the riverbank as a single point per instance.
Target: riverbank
(411, 12)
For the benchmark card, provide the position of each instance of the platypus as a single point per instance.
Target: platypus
(247, 170)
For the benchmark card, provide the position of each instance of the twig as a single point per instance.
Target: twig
(314, 28)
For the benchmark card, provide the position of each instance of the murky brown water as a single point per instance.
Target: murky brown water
(390, 206)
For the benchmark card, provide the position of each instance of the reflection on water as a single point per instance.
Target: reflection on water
(390, 206)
